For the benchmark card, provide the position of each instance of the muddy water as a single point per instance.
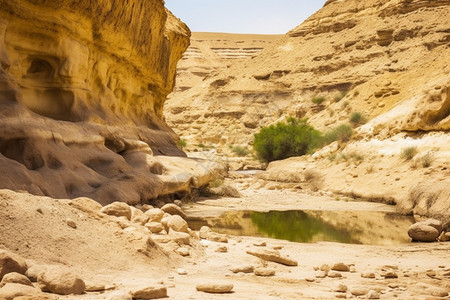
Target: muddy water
(309, 226)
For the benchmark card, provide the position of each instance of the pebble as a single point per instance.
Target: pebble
(341, 267)
(265, 272)
(183, 251)
(438, 292)
(334, 274)
(242, 269)
(222, 249)
(373, 295)
(181, 271)
(260, 244)
(321, 274)
(359, 291)
(352, 269)
(150, 292)
(368, 275)
(71, 223)
(310, 279)
(215, 288)
(341, 288)
(389, 275)
(341, 296)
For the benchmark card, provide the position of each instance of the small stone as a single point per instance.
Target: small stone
(352, 269)
(222, 249)
(389, 275)
(341, 267)
(178, 203)
(120, 295)
(71, 223)
(341, 296)
(118, 209)
(260, 244)
(310, 279)
(155, 227)
(359, 291)
(265, 272)
(242, 269)
(434, 223)
(177, 223)
(204, 231)
(154, 215)
(217, 237)
(370, 275)
(321, 274)
(334, 274)
(431, 273)
(439, 292)
(181, 271)
(325, 268)
(373, 295)
(150, 292)
(277, 247)
(173, 210)
(20, 291)
(444, 237)
(183, 251)
(14, 277)
(138, 216)
(341, 288)
(273, 256)
(215, 288)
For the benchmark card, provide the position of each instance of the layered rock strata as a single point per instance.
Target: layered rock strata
(82, 89)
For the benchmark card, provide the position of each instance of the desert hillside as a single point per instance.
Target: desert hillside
(384, 60)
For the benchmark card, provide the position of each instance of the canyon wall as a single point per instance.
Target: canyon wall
(82, 90)
(386, 60)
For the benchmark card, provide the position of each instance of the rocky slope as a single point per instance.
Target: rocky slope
(82, 87)
(386, 60)
(210, 52)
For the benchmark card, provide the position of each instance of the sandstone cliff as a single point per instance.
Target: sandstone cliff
(82, 88)
(387, 60)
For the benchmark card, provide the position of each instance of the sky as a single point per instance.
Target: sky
(243, 16)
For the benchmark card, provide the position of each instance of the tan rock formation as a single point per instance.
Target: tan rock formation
(82, 87)
(385, 59)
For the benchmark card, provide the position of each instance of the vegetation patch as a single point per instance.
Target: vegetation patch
(295, 137)
(357, 118)
(240, 151)
(318, 100)
(342, 133)
(408, 153)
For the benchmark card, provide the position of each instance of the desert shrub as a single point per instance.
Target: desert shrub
(181, 143)
(240, 151)
(408, 153)
(427, 159)
(342, 133)
(357, 118)
(314, 178)
(286, 139)
(339, 96)
(318, 100)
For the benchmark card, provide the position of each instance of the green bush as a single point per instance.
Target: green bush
(318, 100)
(286, 139)
(341, 133)
(181, 143)
(339, 96)
(357, 118)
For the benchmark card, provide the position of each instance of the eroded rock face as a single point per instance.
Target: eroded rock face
(82, 89)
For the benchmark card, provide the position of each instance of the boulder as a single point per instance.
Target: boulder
(10, 262)
(177, 223)
(173, 210)
(19, 291)
(86, 204)
(138, 216)
(434, 223)
(118, 209)
(419, 232)
(150, 292)
(15, 278)
(155, 227)
(215, 288)
(204, 231)
(58, 281)
(341, 288)
(273, 256)
(154, 215)
(444, 237)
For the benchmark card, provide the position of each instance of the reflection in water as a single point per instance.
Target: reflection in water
(355, 227)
